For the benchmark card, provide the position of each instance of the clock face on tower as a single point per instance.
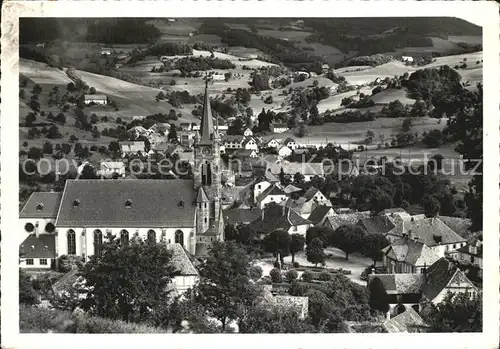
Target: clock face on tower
(205, 151)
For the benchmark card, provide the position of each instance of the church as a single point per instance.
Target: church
(75, 222)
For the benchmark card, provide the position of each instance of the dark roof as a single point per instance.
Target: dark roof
(461, 226)
(41, 205)
(103, 203)
(319, 213)
(412, 252)
(202, 197)
(207, 123)
(272, 190)
(309, 194)
(241, 215)
(400, 283)
(180, 260)
(439, 276)
(376, 224)
(391, 210)
(43, 246)
(430, 231)
(277, 217)
(408, 321)
(339, 220)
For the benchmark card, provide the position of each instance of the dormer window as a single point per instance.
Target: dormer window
(180, 204)
(39, 207)
(76, 203)
(128, 203)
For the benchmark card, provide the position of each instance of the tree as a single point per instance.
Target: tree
(278, 243)
(379, 300)
(224, 288)
(380, 201)
(30, 119)
(407, 125)
(457, 312)
(373, 245)
(433, 139)
(315, 252)
(34, 105)
(301, 132)
(431, 205)
(298, 178)
(53, 132)
(237, 127)
(274, 319)
(276, 275)
(349, 239)
(436, 162)
(297, 243)
(369, 137)
(172, 134)
(255, 272)
(88, 172)
(27, 294)
(127, 281)
(73, 138)
(47, 148)
(114, 146)
(35, 153)
(291, 275)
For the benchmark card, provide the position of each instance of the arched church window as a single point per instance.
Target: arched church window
(71, 237)
(97, 242)
(179, 237)
(124, 237)
(151, 235)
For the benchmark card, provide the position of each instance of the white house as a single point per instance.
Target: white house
(218, 77)
(185, 274)
(290, 143)
(472, 253)
(273, 194)
(250, 144)
(109, 168)
(308, 170)
(259, 187)
(132, 147)
(233, 142)
(407, 59)
(248, 133)
(278, 128)
(273, 143)
(95, 99)
(284, 151)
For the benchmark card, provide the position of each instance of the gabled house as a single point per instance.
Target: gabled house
(290, 188)
(408, 256)
(273, 143)
(471, 253)
(338, 220)
(319, 215)
(250, 144)
(95, 99)
(429, 231)
(137, 131)
(284, 151)
(237, 216)
(132, 147)
(38, 251)
(273, 194)
(260, 186)
(308, 170)
(109, 168)
(185, 274)
(311, 199)
(376, 225)
(290, 143)
(39, 214)
(408, 321)
(277, 217)
(233, 142)
(278, 127)
(248, 133)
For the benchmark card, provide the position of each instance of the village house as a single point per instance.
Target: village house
(138, 131)
(272, 143)
(160, 128)
(340, 219)
(471, 253)
(290, 188)
(259, 186)
(431, 286)
(273, 194)
(408, 321)
(236, 216)
(278, 127)
(185, 274)
(109, 168)
(319, 215)
(132, 147)
(95, 99)
(408, 256)
(250, 144)
(430, 231)
(284, 151)
(306, 204)
(308, 170)
(291, 143)
(39, 214)
(376, 225)
(277, 217)
(248, 133)
(38, 251)
(233, 142)
(407, 59)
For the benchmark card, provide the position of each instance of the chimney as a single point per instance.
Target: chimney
(37, 230)
(425, 272)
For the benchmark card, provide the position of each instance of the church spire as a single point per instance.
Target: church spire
(207, 125)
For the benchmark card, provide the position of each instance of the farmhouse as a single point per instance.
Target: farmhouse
(132, 147)
(407, 59)
(95, 99)
(408, 256)
(306, 204)
(277, 217)
(278, 128)
(109, 168)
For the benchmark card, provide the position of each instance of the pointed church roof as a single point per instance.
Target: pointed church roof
(207, 125)
(202, 197)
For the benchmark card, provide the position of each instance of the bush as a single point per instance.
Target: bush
(275, 275)
(277, 265)
(325, 276)
(291, 275)
(296, 264)
(255, 272)
(67, 263)
(43, 320)
(307, 276)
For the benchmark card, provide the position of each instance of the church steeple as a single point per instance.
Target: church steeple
(207, 124)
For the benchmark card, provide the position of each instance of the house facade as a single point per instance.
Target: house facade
(95, 99)
(109, 168)
(278, 128)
